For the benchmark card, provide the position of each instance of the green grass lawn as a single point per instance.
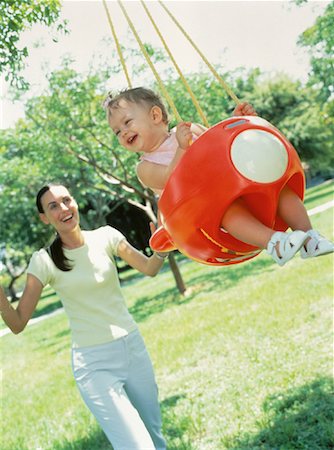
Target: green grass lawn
(243, 362)
(318, 195)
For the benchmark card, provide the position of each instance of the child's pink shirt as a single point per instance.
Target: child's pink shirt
(165, 153)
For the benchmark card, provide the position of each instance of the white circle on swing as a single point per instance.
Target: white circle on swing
(259, 156)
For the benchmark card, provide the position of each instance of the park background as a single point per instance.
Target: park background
(244, 359)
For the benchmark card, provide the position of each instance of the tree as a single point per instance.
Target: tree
(319, 40)
(66, 134)
(15, 17)
(19, 229)
(296, 111)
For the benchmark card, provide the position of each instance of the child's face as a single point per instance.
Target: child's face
(138, 127)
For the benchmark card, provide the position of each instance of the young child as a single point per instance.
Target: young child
(140, 121)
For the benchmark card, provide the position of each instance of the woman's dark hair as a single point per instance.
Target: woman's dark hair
(55, 250)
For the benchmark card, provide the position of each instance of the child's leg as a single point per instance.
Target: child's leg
(292, 210)
(240, 223)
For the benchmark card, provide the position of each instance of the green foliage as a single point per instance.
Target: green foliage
(319, 40)
(64, 138)
(76, 133)
(214, 101)
(17, 16)
(20, 229)
(295, 110)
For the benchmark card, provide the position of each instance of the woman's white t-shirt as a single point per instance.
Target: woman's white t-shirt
(90, 292)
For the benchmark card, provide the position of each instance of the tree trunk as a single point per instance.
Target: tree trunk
(149, 209)
(177, 274)
(11, 289)
(14, 276)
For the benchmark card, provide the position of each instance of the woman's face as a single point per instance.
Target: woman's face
(60, 209)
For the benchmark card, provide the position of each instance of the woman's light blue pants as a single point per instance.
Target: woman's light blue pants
(116, 381)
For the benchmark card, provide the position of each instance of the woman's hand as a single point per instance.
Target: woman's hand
(147, 265)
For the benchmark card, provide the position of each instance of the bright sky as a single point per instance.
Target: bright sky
(235, 33)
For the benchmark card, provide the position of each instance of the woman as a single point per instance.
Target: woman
(110, 362)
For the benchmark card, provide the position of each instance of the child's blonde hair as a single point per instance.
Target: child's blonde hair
(135, 95)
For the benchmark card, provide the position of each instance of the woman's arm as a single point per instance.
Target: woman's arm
(17, 319)
(147, 265)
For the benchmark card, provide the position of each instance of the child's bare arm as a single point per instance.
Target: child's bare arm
(155, 176)
(151, 175)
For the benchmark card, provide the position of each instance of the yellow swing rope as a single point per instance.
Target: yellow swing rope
(118, 47)
(142, 48)
(213, 70)
(192, 95)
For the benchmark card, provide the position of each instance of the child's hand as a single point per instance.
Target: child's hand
(244, 109)
(183, 134)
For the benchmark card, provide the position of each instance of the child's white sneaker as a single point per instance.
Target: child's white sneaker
(288, 245)
(317, 245)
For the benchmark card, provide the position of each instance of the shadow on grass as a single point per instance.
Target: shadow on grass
(205, 281)
(315, 197)
(149, 305)
(50, 306)
(96, 441)
(131, 276)
(322, 192)
(229, 276)
(61, 341)
(300, 418)
(47, 309)
(54, 345)
(175, 429)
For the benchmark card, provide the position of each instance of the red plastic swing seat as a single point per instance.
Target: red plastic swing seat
(242, 156)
